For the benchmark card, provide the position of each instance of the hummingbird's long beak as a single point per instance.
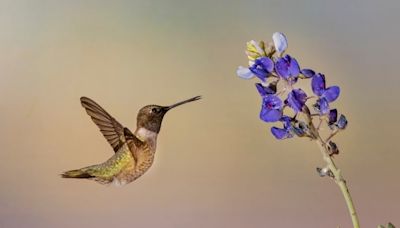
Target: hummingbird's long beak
(182, 102)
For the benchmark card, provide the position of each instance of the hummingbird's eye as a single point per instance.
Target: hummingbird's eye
(155, 110)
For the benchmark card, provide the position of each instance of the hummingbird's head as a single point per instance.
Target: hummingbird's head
(151, 116)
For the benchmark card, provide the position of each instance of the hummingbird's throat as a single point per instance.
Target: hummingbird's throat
(145, 134)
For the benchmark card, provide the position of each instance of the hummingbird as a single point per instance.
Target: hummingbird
(134, 152)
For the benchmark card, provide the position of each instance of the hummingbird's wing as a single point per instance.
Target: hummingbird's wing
(132, 140)
(112, 130)
(134, 144)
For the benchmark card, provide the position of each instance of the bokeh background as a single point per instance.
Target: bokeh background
(216, 164)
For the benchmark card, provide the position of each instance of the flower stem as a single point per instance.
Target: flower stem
(340, 181)
(337, 174)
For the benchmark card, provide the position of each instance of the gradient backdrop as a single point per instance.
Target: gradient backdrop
(216, 164)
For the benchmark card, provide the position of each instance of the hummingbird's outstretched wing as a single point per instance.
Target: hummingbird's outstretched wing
(112, 130)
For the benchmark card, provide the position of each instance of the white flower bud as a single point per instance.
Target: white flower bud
(280, 42)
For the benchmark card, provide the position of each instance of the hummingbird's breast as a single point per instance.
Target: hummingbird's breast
(135, 169)
(144, 159)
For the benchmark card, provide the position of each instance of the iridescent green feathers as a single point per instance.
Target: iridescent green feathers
(113, 131)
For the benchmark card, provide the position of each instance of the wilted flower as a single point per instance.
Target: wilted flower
(324, 172)
(300, 129)
(342, 122)
(332, 116)
(332, 148)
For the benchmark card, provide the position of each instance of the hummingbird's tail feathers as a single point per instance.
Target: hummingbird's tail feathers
(77, 173)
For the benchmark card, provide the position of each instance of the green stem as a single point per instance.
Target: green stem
(340, 181)
(337, 174)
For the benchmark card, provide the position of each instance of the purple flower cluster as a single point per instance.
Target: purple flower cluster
(278, 74)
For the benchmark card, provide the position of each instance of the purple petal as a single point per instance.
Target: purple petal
(270, 115)
(280, 42)
(294, 68)
(286, 120)
(260, 73)
(296, 99)
(331, 94)
(308, 73)
(262, 68)
(279, 133)
(323, 106)
(244, 72)
(266, 63)
(265, 90)
(271, 110)
(318, 84)
(282, 68)
(342, 122)
(287, 67)
(272, 102)
(261, 89)
(332, 116)
(287, 123)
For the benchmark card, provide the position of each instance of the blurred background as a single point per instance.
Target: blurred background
(217, 164)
